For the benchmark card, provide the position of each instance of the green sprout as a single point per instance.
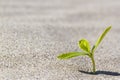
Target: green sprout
(86, 49)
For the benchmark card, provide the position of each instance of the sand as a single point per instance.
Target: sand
(34, 32)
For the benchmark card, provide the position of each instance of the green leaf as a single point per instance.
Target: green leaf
(101, 37)
(71, 55)
(84, 45)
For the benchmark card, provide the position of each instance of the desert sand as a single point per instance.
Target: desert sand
(34, 32)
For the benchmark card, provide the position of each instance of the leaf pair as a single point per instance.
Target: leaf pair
(85, 46)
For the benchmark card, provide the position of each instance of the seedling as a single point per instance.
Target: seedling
(84, 45)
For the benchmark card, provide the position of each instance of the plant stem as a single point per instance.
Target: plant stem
(93, 62)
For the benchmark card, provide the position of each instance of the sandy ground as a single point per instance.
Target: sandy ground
(34, 32)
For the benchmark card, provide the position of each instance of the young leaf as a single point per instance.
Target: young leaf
(101, 37)
(84, 45)
(71, 55)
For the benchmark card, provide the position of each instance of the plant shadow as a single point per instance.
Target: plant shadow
(102, 72)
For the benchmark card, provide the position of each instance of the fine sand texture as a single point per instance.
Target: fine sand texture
(34, 32)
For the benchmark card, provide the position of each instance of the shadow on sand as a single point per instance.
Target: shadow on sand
(102, 72)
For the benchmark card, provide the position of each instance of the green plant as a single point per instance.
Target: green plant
(86, 49)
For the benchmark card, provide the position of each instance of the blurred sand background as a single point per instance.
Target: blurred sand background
(34, 32)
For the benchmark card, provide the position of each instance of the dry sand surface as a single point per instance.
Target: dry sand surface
(34, 32)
